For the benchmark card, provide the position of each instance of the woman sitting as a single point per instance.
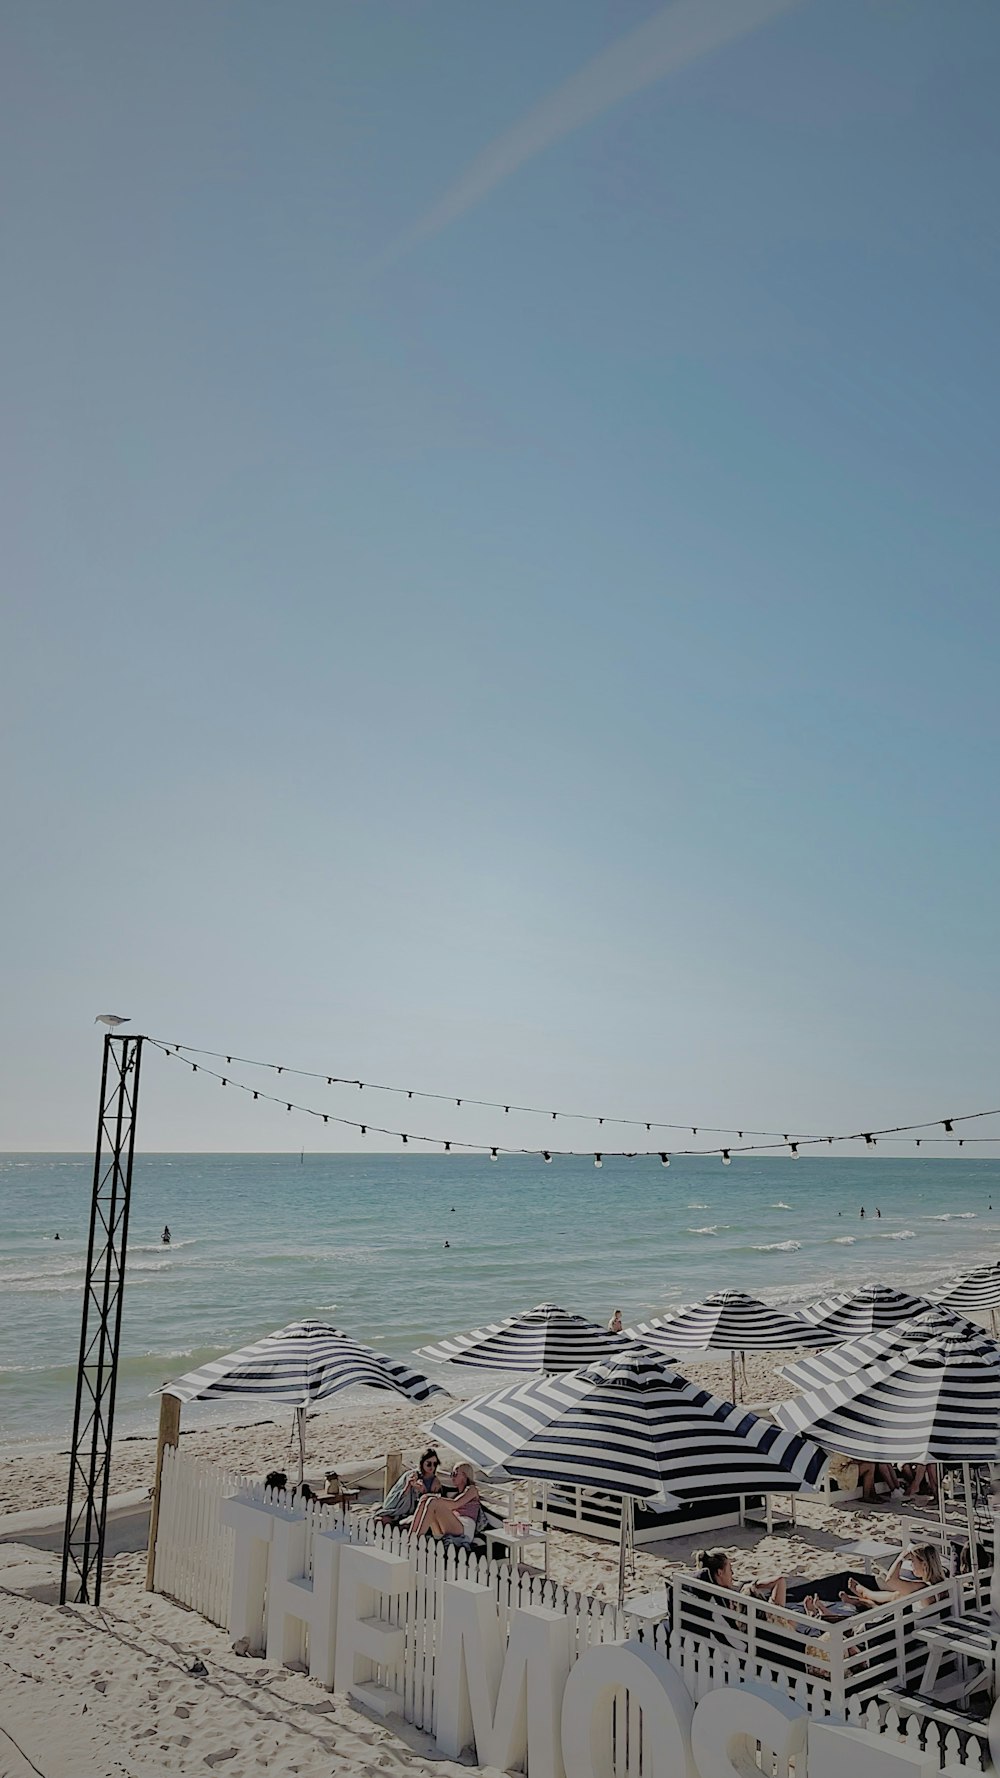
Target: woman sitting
(717, 1571)
(453, 1518)
(405, 1495)
(926, 1570)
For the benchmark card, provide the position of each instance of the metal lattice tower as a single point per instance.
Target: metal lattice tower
(97, 1376)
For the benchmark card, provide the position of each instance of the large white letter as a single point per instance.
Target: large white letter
(366, 1573)
(834, 1750)
(505, 1702)
(729, 1722)
(253, 1527)
(296, 1604)
(653, 1684)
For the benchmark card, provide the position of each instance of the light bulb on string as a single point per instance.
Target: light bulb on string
(949, 1126)
(364, 1129)
(224, 1081)
(406, 1138)
(598, 1161)
(546, 1155)
(727, 1159)
(493, 1154)
(795, 1151)
(288, 1107)
(447, 1148)
(664, 1160)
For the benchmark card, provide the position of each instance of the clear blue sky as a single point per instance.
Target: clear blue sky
(529, 634)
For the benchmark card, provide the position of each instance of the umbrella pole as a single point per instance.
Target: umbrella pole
(626, 1551)
(732, 1375)
(970, 1520)
(300, 1415)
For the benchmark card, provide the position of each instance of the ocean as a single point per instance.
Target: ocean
(260, 1240)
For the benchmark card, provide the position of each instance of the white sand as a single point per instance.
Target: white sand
(88, 1694)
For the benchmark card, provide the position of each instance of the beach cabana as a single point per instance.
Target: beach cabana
(730, 1321)
(632, 1427)
(545, 1338)
(853, 1313)
(817, 1368)
(300, 1364)
(938, 1403)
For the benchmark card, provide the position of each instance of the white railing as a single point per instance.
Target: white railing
(714, 1637)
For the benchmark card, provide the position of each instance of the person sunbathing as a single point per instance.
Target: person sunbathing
(926, 1570)
(717, 1571)
(455, 1517)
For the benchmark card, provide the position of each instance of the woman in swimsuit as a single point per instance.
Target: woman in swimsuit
(455, 1517)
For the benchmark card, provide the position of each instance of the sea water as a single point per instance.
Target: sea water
(360, 1240)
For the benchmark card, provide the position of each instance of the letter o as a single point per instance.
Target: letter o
(655, 1686)
(729, 1721)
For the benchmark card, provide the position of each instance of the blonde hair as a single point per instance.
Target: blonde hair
(930, 1556)
(467, 1470)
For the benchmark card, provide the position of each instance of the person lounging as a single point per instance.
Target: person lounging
(717, 1571)
(926, 1569)
(405, 1496)
(454, 1518)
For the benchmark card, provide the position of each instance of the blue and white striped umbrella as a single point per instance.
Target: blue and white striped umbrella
(977, 1290)
(854, 1313)
(301, 1364)
(729, 1321)
(631, 1426)
(545, 1338)
(938, 1403)
(817, 1368)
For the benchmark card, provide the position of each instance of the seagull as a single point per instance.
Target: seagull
(110, 1019)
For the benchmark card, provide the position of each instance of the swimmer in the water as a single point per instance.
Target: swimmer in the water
(862, 1213)
(165, 1237)
(56, 1235)
(447, 1243)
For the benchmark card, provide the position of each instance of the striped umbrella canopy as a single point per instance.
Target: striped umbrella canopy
(545, 1338)
(301, 1364)
(731, 1321)
(977, 1290)
(818, 1368)
(855, 1313)
(938, 1403)
(633, 1427)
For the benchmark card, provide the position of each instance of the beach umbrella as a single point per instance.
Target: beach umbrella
(976, 1291)
(545, 1338)
(936, 1403)
(817, 1368)
(300, 1364)
(630, 1426)
(854, 1313)
(730, 1321)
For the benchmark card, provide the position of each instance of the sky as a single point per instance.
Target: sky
(500, 558)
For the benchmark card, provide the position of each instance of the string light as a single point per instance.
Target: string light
(598, 1161)
(869, 1137)
(586, 1117)
(727, 1159)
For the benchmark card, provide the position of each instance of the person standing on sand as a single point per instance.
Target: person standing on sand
(615, 1324)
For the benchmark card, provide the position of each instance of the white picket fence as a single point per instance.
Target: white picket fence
(194, 1565)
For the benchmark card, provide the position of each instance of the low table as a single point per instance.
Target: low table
(514, 1542)
(871, 1550)
(653, 1608)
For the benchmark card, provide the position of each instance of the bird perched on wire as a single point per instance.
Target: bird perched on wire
(111, 1019)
